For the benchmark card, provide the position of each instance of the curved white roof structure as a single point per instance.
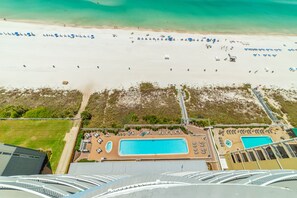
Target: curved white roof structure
(213, 184)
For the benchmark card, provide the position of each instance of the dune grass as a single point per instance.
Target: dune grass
(41, 103)
(287, 103)
(225, 105)
(145, 104)
(43, 135)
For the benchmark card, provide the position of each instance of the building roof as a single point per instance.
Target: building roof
(20, 161)
(136, 167)
(212, 184)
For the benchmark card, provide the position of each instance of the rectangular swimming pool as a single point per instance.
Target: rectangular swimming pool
(169, 146)
(254, 141)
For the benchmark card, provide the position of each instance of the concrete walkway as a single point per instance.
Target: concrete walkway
(70, 138)
(182, 105)
(265, 106)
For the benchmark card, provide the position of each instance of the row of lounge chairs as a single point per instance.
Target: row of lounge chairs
(169, 38)
(29, 34)
(169, 133)
(88, 135)
(129, 133)
(265, 55)
(263, 49)
(16, 34)
(203, 151)
(243, 131)
(195, 146)
(196, 151)
(126, 133)
(222, 144)
(292, 50)
(69, 36)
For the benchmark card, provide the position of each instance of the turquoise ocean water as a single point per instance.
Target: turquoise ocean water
(218, 16)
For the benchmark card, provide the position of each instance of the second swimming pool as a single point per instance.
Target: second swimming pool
(162, 146)
(254, 141)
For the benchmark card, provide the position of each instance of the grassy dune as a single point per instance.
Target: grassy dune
(39, 103)
(224, 105)
(283, 102)
(145, 104)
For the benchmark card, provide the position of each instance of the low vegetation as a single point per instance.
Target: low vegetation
(41, 135)
(79, 138)
(156, 127)
(145, 104)
(224, 105)
(40, 103)
(283, 103)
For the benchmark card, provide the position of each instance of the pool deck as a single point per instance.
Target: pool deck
(199, 146)
(233, 134)
(114, 154)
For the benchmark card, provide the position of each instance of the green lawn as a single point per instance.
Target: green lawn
(45, 135)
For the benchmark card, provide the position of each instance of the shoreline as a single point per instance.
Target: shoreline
(142, 29)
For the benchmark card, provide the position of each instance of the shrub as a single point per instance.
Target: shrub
(86, 160)
(39, 112)
(144, 87)
(85, 115)
(114, 125)
(13, 111)
(78, 140)
(134, 118)
(184, 129)
(151, 119)
(247, 86)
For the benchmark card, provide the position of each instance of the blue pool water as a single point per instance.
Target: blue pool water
(153, 146)
(108, 146)
(254, 141)
(228, 143)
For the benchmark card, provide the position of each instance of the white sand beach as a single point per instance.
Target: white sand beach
(119, 58)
